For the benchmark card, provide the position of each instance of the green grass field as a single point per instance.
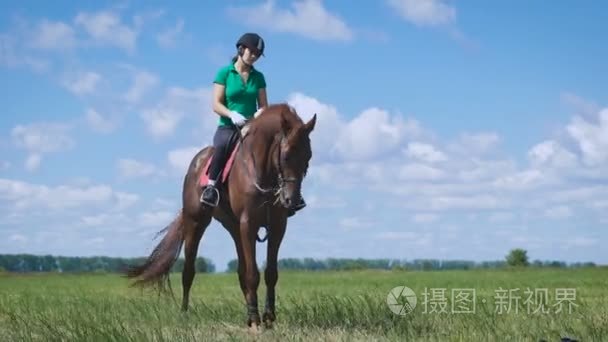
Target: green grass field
(333, 306)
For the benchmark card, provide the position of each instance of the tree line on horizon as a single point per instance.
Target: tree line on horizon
(48, 263)
(346, 264)
(63, 264)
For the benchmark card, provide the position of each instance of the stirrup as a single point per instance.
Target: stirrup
(217, 196)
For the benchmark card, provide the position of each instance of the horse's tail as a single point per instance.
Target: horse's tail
(157, 267)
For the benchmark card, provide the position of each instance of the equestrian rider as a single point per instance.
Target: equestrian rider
(239, 90)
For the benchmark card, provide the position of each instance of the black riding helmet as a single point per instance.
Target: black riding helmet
(253, 41)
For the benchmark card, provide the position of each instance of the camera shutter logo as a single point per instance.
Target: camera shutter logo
(401, 300)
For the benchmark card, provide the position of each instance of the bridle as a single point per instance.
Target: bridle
(281, 179)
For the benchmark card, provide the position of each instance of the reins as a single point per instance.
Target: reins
(281, 180)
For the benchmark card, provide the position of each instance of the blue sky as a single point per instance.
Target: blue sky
(453, 130)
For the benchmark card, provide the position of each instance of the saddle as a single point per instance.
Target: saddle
(233, 146)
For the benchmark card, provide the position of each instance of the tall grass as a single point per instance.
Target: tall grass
(324, 306)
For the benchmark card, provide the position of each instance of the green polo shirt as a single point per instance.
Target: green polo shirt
(240, 97)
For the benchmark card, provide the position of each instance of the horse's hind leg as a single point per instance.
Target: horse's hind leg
(232, 227)
(193, 233)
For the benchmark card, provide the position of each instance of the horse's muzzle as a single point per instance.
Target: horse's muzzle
(288, 201)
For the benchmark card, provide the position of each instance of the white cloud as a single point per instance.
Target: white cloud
(168, 37)
(96, 220)
(473, 202)
(477, 170)
(523, 180)
(161, 122)
(417, 171)
(41, 138)
(216, 53)
(113, 221)
(424, 12)
(308, 18)
(406, 237)
(18, 238)
(131, 168)
(390, 235)
(424, 152)
(155, 218)
(325, 201)
(329, 122)
(124, 200)
(82, 83)
(106, 28)
(475, 143)
(559, 212)
(370, 135)
(96, 241)
(551, 153)
(32, 43)
(162, 119)
(12, 54)
(578, 194)
(32, 162)
(425, 217)
(98, 122)
(592, 138)
(601, 204)
(501, 216)
(362, 151)
(180, 159)
(52, 35)
(467, 176)
(350, 223)
(143, 81)
(580, 105)
(23, 196)
(581, 241)
(145, 17)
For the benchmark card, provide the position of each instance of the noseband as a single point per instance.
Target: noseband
(282, 180)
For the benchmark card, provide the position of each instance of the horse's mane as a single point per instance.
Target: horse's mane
(274, 121)
(270, 119)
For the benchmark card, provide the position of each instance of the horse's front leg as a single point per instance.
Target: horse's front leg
(271, 274)
(252, 275)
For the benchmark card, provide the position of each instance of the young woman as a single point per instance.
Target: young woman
(239, 90)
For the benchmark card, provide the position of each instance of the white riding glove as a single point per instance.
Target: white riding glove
(237, 118)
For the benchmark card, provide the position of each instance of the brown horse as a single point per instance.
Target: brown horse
(262, 186)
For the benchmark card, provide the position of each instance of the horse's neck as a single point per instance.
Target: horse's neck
(259, 146)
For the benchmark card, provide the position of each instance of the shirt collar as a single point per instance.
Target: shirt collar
(233, 68)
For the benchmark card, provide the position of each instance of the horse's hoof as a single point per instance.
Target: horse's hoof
(268, 319)
(268, 323)
(254, 328)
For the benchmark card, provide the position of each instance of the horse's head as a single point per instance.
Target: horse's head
(291, 161)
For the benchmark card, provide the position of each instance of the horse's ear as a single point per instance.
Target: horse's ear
(310, 125)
